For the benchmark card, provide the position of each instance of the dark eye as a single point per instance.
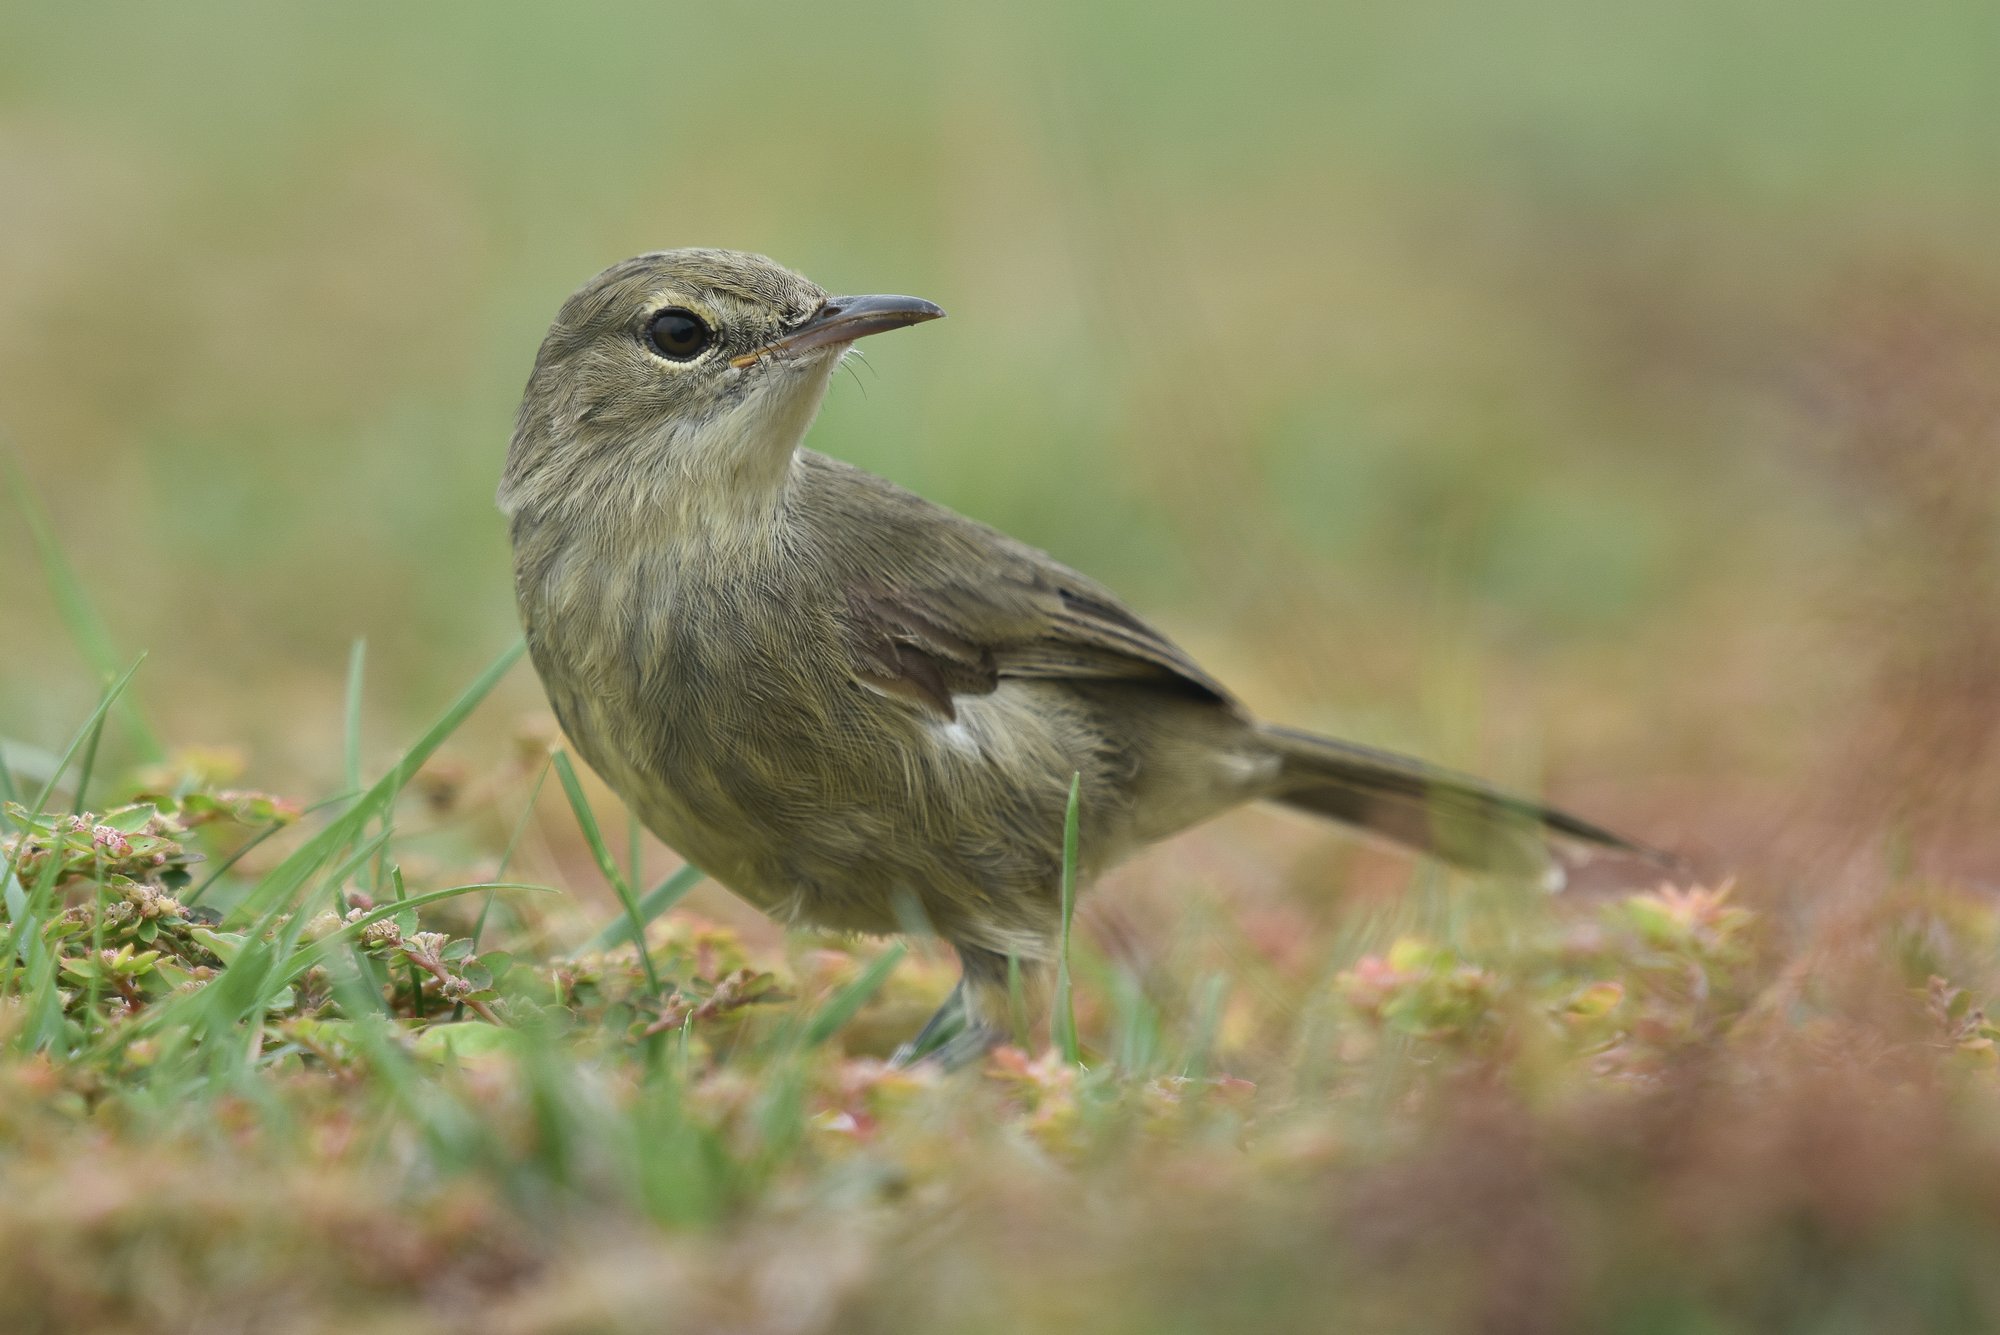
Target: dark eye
(677, 334)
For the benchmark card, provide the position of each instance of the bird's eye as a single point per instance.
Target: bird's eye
(678, 335)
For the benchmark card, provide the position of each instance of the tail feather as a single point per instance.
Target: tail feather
(1432, 810)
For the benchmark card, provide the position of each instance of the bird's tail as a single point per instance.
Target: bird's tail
(1431, 810)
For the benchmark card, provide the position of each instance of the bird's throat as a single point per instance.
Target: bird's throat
(728, 479)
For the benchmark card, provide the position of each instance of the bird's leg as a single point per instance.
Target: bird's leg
(973, 1019)
(945, 1024)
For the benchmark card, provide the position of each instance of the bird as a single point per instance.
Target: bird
(856, 709)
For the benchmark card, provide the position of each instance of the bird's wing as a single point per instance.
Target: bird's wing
(938, 606)
(929, 641)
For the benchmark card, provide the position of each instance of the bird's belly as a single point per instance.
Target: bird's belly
(824, 803)
(858, 814)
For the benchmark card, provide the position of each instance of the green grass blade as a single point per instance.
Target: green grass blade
(25, 907)
(1136, 1025)
(242, 850)
(87, 767)
(634, 870)
(357, 659)
(355, 861)
(586, 820)
(281, 885)
(513, 842)
(22, 762)
(86, 627)
(846, 1003)
(26, 761)
(527, 814)
(1062, 1019)
(657, 901)
(90, 725)
(1210, 996)
(8, 793)
(1017, 1003)
(35, 977)
(250, 845)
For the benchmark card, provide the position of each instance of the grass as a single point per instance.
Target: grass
(587, 822)
(1062, 1017)
(321, 1076)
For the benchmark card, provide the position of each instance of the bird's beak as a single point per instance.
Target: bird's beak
(844, 319)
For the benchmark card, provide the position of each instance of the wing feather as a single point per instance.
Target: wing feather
(939, 606)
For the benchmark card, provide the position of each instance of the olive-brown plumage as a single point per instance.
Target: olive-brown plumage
(856, 709)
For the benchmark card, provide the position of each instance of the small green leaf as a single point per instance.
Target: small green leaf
(468, 1038)
(135, 966)
(130, 820)
(226, 945)
(1596, 1000)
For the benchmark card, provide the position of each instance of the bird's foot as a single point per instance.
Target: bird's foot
(963, 1048)
(951, 1038)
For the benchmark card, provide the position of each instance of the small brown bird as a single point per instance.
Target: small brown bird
(858, 710)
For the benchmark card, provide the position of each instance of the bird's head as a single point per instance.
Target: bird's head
(686, 377)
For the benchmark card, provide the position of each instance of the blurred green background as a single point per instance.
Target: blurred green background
(1598, 392)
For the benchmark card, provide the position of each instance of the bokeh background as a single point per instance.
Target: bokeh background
(1603, 397)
